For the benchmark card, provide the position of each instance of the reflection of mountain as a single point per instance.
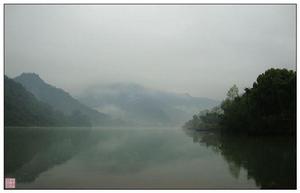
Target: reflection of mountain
(58, 99)
(144, 106)
(270, 161)
(26, 158)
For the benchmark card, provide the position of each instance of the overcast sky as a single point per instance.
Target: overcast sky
(201, 50)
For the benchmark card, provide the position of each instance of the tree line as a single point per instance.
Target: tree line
(268, 107)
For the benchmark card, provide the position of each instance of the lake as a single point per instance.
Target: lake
(146, 158)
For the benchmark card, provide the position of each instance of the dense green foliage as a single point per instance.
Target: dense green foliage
(21, 108)
(268, 107)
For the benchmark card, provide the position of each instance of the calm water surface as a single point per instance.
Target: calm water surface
(145, 158)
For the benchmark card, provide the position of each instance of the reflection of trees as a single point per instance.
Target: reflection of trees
(31, 151)
(270, 161)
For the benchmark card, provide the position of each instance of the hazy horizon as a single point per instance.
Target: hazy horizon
(201, 50)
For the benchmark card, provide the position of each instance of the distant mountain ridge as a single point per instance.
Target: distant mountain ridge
(133, 103)
(142, 105)
(58, 99)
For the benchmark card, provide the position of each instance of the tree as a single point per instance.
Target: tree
(233, 92)
(268, 107)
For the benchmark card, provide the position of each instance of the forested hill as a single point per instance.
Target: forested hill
(21, 108)
(268, 107)
(58, 99)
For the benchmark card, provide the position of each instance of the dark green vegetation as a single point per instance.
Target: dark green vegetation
(268, 107)
(21, 108)
(256, 130)
(270, 161)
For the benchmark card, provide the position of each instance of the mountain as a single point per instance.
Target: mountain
(59, 100)
(21, 108)
(144, 106)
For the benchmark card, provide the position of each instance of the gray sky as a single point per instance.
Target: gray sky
(201, 50)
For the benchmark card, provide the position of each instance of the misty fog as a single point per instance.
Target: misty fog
(200, 50)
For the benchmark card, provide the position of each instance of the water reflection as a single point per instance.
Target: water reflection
(125, 151)
(31, 151)
(270, 161)
(117, 158)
